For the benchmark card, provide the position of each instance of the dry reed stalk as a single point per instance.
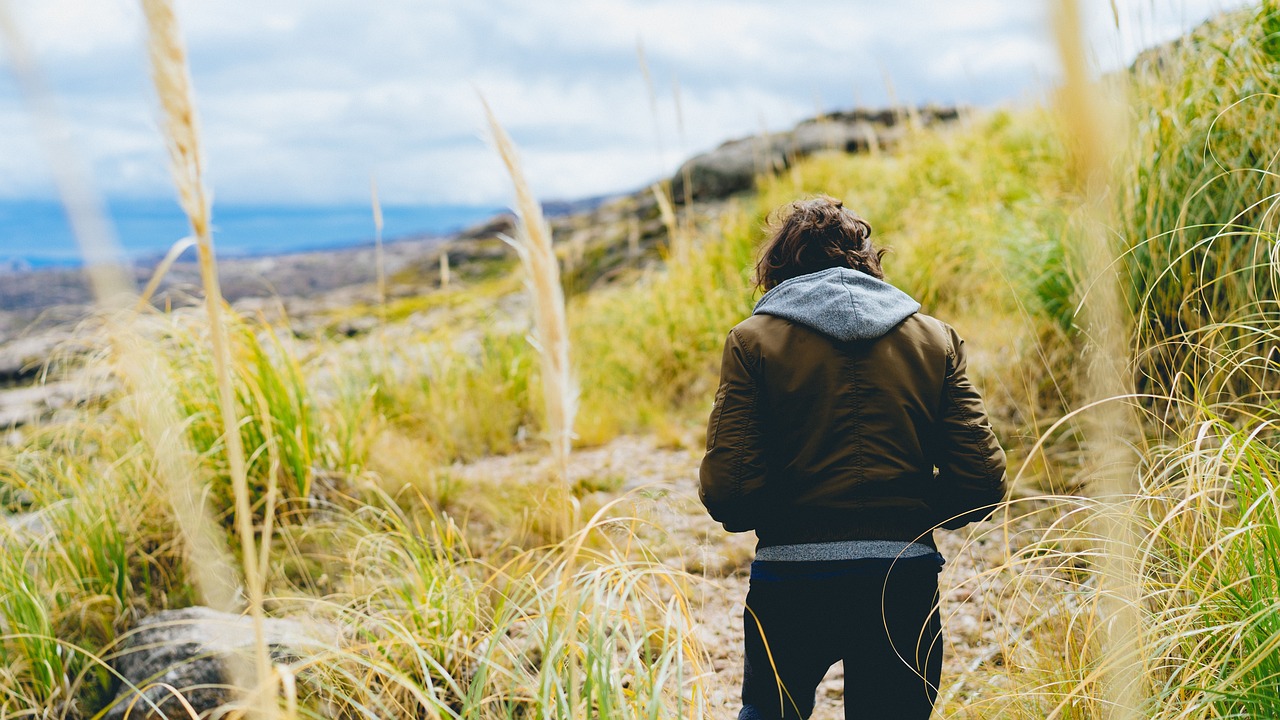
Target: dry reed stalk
(677, 247)
(173, 87)
(633, 237)
(542, 277)
(444, 268)
(686, 171)
(378, 260)
(152, 394)
(1111, 428)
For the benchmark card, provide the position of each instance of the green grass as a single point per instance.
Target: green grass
(1200, 189)
(281, 431)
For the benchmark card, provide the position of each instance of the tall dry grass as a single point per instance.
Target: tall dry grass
(542, 277)
(1112, 434)
(1156, 597)
(171, 76)
(1198, 196)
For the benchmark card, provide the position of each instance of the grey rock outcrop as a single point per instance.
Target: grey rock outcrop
(191, 650)
(734, 166)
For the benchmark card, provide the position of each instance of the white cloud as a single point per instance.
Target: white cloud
(301, 99)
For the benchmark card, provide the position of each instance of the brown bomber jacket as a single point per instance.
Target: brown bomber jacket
(837, 401)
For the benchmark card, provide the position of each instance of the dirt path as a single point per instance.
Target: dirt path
(660, 482)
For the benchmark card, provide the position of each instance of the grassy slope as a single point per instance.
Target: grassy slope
(646, 355)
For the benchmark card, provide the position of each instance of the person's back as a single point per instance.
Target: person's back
(837, 401)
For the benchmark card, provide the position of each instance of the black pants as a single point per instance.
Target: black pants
(880, 619)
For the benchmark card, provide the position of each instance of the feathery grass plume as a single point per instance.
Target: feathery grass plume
(172, 80)
(1111, 427)
(444, 268)
(551, 331)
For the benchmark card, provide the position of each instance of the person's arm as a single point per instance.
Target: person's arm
(733, 470)
(971, 464)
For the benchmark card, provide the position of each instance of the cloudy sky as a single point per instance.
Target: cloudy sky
(301, 100)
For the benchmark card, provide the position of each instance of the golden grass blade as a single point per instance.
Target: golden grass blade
(173, 87)
(1111, 428)
(533, 243)
(162, 269)
(152, 395)
(686, 169)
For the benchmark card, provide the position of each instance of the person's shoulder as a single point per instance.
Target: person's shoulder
(755, 325)
(924, 324)
(927, 330)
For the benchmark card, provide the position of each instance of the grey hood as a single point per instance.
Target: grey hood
(843, 303)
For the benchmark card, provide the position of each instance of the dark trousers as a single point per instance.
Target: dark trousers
(880, 619)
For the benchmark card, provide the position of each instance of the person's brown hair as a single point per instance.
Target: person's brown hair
(812, 235)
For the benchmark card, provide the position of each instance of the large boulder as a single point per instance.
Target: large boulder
(191, 650)
(732, 167)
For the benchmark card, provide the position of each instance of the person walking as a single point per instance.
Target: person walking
(844, 431)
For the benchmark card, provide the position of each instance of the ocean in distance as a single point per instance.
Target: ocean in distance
(36, 234)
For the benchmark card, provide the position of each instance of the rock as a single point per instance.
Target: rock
(23, 357)
(25, 405)
(187, 649)
(731, 168)
(27, 525)
(734, 166)
(358, 325)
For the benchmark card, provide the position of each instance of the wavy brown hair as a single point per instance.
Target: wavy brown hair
(816, 234)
